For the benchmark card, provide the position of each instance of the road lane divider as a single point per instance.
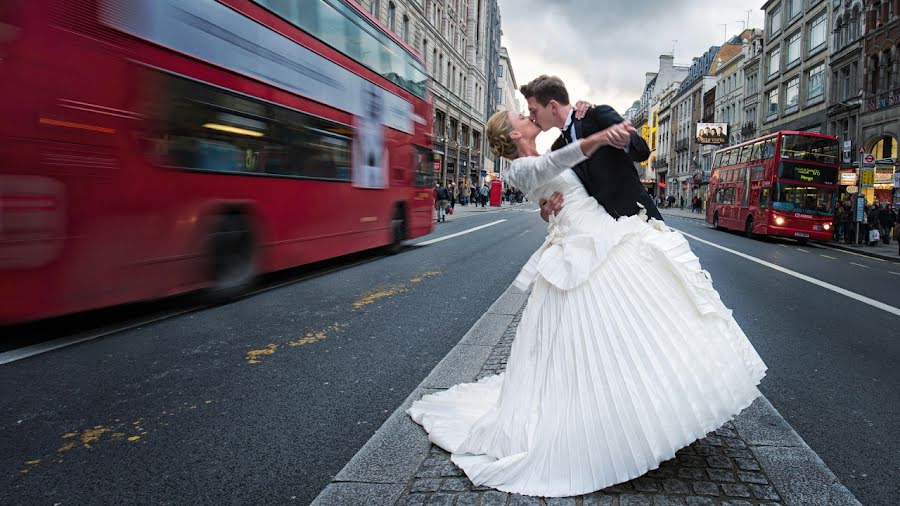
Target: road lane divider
(464, 232)
(809, 279)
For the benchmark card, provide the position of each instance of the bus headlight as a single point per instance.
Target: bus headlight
(779, 220)
(827, 226)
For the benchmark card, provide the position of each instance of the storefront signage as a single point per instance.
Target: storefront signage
(883, 103)
(884, 176)
(808, 173)
(852, 189)
(848, 177)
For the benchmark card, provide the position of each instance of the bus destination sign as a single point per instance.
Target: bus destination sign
(808, 173)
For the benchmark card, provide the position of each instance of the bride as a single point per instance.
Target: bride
(624, 353)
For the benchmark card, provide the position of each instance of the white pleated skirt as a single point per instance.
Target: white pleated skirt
(607, 378)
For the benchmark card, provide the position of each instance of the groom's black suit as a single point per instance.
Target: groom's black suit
(609, 175)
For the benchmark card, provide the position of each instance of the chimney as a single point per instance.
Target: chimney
(666, 61)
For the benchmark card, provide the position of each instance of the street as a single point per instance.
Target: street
(265, 399)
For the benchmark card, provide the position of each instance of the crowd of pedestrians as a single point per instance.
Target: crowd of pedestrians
(879, 224)
(448, 195)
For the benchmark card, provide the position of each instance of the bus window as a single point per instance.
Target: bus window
(757, 173)
(769, 148)
(717, 162)
(745, 154)
(757, 151)
(728, 197)
(764, 198)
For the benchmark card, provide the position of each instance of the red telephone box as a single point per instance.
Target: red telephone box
(496, 193)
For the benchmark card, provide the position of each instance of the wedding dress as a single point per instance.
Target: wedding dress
(624, 354)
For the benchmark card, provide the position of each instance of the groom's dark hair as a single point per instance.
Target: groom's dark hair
(546, 88)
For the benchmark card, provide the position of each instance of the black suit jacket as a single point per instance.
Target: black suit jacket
(609, 174)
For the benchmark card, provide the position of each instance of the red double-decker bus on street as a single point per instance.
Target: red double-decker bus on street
(154, 147)
(783, 184)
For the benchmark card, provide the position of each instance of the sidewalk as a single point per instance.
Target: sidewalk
(755, 460)
(883, 251)
(461, 211)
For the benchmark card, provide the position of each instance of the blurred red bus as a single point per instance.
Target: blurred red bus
(783, 184)
(152, 147)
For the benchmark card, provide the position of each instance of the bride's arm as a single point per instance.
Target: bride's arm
(528, 173)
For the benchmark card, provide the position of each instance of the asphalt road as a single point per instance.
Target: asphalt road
(265, 399)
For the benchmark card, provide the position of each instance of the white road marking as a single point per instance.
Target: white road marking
(37, 349)
(464, 232)
(803, 250)
(826, 256)
(895, 273)
(828, 286)
(535, 211)
(860, 265)
(850, 252)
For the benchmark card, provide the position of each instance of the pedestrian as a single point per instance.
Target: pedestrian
(452, 190)
(874, 224)
(840, 222)
(441, 201)
(885, 222)
(681, 202)
(485, 192)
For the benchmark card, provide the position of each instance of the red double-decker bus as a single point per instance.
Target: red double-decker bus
(783, 184)
(153, 147)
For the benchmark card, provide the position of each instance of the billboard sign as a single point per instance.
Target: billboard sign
(712, 133)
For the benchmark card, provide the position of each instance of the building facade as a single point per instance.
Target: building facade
(795, 65)
(754, 48)
(508, 98)
(685, 172)
(493, 33)
(452, 38)
(880, 116)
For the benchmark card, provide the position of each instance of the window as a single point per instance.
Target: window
(375, 8)
(792, 94)
(769, 149)
(757, 151)
(499, 70)
(392, 13)
(772, 100)
(774, 61)
(757, 173)
(339, 26)
(795, 8)
(406, 28)
(817, 32)
(774, 20)
(745, 154)
(815, 82)
(803, 199)
(201, 127)
(793, 48)
(424, 164)
(764, 198)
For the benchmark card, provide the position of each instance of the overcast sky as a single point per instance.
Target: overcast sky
(603, 48)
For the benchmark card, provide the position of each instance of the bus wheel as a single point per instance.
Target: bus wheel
(232, 257)
(716, 221)
(748, 229)
(398, 231)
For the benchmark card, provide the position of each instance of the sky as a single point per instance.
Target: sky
(602, 49)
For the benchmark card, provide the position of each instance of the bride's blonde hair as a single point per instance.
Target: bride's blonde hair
(498, 129)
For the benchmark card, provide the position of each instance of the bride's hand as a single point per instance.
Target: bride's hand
(581, 108)
(617, 136)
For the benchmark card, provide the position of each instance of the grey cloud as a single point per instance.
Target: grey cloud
(613, 43)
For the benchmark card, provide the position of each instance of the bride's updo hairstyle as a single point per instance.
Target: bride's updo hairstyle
(498, 129)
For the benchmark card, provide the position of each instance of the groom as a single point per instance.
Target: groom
(609, 175)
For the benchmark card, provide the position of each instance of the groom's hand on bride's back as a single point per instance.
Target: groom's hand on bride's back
(551, 206)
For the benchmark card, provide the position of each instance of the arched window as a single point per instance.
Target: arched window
(392, 13)
(375, 8)
(406, 27)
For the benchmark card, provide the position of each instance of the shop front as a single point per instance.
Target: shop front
(877, 183)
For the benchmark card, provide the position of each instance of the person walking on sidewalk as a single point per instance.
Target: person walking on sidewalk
(485, 193)
(840, 222)
(441, 202)
(453, 195)
(886, 219)
(593, 393)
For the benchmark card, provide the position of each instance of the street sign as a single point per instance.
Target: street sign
(852, 189)
(861, 150)
(860, 209)
(869, 159)
(847, 145)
